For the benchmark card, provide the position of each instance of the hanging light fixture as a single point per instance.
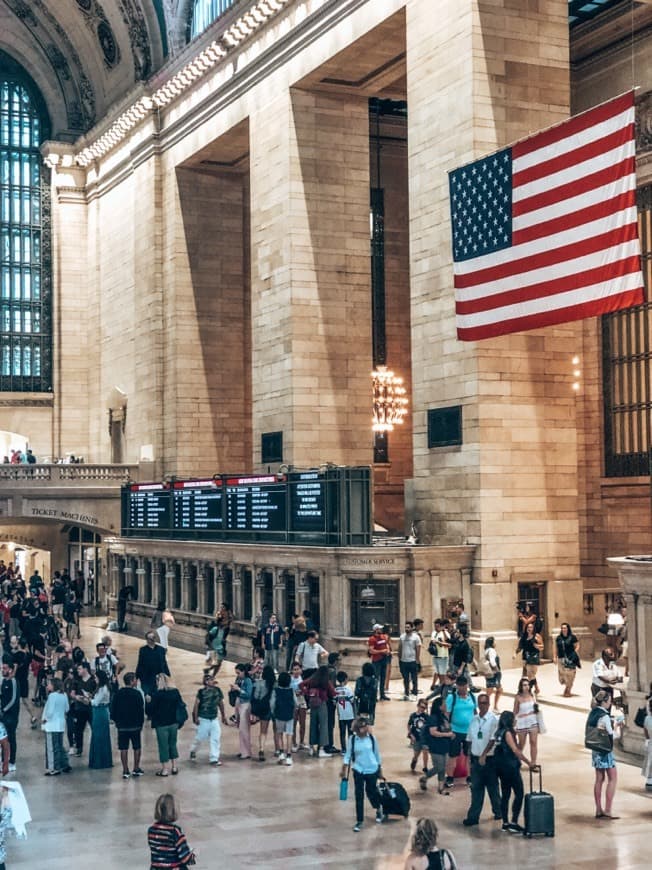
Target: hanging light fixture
(389, 400)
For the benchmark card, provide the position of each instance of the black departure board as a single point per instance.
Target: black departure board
(307, 501)
(329, 506)
(149, 507)
(197, 506)
(255, 504)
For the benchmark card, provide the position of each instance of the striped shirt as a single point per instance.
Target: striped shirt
(168, 846)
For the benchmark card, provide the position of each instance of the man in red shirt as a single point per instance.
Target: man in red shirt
(380, 651)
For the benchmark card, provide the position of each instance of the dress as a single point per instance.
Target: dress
(526, 718)
(100, 754)
(602, 760)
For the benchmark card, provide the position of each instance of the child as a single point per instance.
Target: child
(345, 711)
(414, 732)
(166, 840)
(296, 679)
(53, 724)
(208, 703)
(283, 703)
(366, 687)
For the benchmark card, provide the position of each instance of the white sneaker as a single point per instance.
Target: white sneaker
(288, 761)
(72, 751)
(12, 768)
(324, 754)
(295, 748)
(281, 758)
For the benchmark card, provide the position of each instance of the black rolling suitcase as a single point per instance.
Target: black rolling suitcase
(539, 811)
(393, 798)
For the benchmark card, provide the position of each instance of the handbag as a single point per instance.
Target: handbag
(182, 714)
(639, 719)
(597, 739)
(432, 648)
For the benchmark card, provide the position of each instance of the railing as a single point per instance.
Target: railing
(72, 473)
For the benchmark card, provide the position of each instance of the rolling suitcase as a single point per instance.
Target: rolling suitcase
(393, 798)
(539, 811)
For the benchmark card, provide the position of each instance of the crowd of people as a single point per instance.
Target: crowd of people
(293, 696)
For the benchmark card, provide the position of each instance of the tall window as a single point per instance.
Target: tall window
(205, 12)
(626, 360)
(25, 258)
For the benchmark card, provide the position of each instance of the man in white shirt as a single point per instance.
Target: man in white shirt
(309, 653)
(605, 673)
(409, 659)
(481, 735)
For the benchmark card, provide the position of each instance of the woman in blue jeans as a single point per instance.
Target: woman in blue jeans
(363, 757)
(163, 713)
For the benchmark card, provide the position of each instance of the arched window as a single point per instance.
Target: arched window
(205, 12)
(25, 245)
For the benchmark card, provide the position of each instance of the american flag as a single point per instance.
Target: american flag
(546, 231)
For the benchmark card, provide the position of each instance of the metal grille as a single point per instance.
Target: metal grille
(626, 359)
(25, 245)
(205, 12)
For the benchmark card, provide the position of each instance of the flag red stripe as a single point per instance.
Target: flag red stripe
(594, 308)
(550, 288)
(571, 158)
(576, 218)
(574, 125)
(581, 185)
(556, 255)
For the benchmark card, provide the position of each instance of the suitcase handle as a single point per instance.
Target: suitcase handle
(538, 768)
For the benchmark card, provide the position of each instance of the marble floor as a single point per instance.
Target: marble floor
(252, 814)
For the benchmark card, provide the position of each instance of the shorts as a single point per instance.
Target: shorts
(417, 747)
(494, 681)
(459, 744)
(440, 664)
(127, 737)
(215, 657)
(57, 611)
(284, 726)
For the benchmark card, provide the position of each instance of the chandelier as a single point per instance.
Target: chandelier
(389, 400)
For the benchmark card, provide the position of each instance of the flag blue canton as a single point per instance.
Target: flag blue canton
(481, 206)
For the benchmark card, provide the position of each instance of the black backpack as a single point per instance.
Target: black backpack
(365, 693)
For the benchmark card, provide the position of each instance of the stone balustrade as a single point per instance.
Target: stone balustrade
(67, 474)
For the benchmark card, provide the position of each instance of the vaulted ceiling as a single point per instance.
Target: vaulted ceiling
(85, 55)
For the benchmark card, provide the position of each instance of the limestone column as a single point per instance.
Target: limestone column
(237, 603)
(310, 277)
(128, 572)
(302, 591)
(259, 585)
(139, 576)
(169, 583)
(278, 593)
(218, 581)
(479, 77)
(185, 583)
(114, 568)
(202, 591)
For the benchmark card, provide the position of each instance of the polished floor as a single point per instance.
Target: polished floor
(252, 814)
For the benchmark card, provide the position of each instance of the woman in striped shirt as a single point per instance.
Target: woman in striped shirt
(166, 840)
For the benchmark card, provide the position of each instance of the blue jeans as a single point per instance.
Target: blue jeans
(380, 670)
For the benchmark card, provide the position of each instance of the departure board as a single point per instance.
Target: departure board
(149, 507)
(307, 501)
(197, 506)
(255, 504)
(327, 506)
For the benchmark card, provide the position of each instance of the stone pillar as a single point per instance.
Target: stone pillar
(237, 603)
(258, 591)
(636, 582)
(489, 73)
(114, 568)
(302, 591)
(219, 586)
(201, 588)
(129, 572)
(139, 578)
(185, 581)
(169, 583)
(310, 276)
(278, 592)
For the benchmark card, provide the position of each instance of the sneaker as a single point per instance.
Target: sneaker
(357, 827)
(380, 816)
(406, 698)
(72, 751)
(296, 748)
(288, 761)
(12, 768)
(323, 754)
(138, 771)
(261, 755)
(303, 747)
(449, 782)
(193, 756)
(277, 753)
(281, 758)
(217, 763)
(514, 828)
(423, 783)
(505, 826)
(126, 775)
(468, 823)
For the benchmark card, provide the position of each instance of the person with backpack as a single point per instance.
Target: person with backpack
(108, 663)
(215, 645)
(260, 705)
(363, 757)
(415, 725)
(603, 760)
(344, 699)
(492, 673)
(425, 855)
(319, 693)
(282, 704)
(366, 687)
(461, 709)
(508, 758)
(462, 654)
(436, 736)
